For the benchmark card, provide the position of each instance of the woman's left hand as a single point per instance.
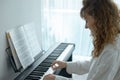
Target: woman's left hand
(49, 77)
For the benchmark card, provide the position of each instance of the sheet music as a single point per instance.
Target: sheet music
(33, 41)
(14, 55)
(22, 46)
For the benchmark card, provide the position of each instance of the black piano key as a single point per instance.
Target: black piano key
(55, 55)
(62, 46)
(57, 51)
(33, 77)
(48, 60)
(27, 79)
(52, 57)
(39, 71)
(45, 64)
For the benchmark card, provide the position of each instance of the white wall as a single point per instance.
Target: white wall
(12, 14)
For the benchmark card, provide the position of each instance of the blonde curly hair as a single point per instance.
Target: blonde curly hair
(107, 22)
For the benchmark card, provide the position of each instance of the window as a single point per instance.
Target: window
(61, 22)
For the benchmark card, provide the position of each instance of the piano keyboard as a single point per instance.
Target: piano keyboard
(61, 52)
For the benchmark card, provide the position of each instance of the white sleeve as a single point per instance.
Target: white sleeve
(107, 67)
(62, 78)
(78, 67)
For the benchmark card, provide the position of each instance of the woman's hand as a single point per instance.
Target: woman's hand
(55, 65)
(49, 77)
(58, 65)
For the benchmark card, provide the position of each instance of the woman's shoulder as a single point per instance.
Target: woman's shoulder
(113, 46)
(112, 49)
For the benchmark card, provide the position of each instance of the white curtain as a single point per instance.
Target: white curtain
(61, 22)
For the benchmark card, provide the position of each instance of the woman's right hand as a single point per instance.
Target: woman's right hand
(58, 65)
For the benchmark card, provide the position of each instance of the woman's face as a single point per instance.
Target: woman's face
(90, 21)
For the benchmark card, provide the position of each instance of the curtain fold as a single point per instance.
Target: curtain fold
(61, 22)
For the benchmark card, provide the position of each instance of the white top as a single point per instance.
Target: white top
(105, 67)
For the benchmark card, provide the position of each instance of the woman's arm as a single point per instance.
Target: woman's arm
(78, 67)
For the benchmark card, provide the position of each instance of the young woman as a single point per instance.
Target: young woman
(103, 19)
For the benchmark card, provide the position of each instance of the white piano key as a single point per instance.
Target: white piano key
(62, 57)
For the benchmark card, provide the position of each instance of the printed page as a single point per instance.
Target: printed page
(15, 57)
(21, 46)
(32, 39)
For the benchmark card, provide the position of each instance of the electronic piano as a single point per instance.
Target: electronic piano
(42, 65)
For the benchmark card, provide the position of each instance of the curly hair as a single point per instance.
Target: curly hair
(107, 22)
